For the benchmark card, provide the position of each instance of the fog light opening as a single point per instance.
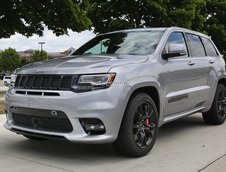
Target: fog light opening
(92, 126)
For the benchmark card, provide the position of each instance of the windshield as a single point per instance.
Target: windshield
(129, 43)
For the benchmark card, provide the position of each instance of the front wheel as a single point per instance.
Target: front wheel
(217, 114)
(139, 127)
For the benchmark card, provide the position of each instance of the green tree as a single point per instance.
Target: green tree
(39, 56)
(207, 16)
(24, 62)
(216, 22)
(9, 60)
(31, 16)
(121, 14)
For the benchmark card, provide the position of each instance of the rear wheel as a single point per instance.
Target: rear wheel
(34, 138)
(139, 127)
(217, 114)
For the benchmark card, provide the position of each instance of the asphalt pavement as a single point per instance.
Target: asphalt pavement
(185, 145)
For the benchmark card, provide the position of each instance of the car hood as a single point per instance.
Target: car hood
(80, 64)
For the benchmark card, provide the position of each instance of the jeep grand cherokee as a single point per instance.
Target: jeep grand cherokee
(119, 88)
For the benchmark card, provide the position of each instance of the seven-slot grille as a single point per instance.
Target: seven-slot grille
(44, 82)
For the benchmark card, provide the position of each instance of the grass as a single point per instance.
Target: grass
(2, 111)
(2, 94)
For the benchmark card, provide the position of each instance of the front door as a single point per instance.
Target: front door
(184, 80)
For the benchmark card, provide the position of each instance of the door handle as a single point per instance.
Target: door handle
(190, 63)
(211, 61)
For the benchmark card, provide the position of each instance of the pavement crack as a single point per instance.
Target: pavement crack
(211, 163)
(29, 160)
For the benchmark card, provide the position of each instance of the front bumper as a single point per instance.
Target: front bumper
(106, 105)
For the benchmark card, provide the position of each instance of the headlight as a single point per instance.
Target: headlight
(93, 82)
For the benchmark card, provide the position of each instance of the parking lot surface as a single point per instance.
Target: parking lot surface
(184, 145)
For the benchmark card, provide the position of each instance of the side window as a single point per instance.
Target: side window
(196, 46)
(210, 50)
(175, 41)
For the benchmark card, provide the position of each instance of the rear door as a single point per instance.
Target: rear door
(214, 63)
(202, 69)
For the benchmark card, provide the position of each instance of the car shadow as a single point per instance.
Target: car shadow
(192, 122)
(64, 150)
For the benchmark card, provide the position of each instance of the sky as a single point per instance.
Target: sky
(52, 42)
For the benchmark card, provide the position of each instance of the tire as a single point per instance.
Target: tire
(217, 114)
(139, 127)
(34, 138)
(5, 83)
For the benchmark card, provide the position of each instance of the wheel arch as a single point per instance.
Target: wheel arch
(123, 131)
(152, 91)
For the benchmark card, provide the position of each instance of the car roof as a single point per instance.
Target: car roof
(157, 29)
(187, 31)
(136, 30)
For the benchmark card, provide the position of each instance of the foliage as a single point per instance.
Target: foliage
(30, 16)
(2, 107)
(39, 56)
(216, 23)
(119, 14)
(9, 60)
(207, 16)
(24, 62)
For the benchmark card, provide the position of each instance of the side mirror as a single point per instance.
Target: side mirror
(174, 50)
(173, 54)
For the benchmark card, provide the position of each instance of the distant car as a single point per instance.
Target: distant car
(7, 80)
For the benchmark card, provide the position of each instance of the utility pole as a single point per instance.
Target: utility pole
(41, 43)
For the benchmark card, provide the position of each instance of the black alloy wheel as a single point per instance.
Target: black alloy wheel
(144, 125)
(222, 103)
(139, 127)
(217, 113)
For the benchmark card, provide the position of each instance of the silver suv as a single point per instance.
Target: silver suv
(119, 88)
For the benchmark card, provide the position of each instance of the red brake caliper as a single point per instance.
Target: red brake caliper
(147, 121)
